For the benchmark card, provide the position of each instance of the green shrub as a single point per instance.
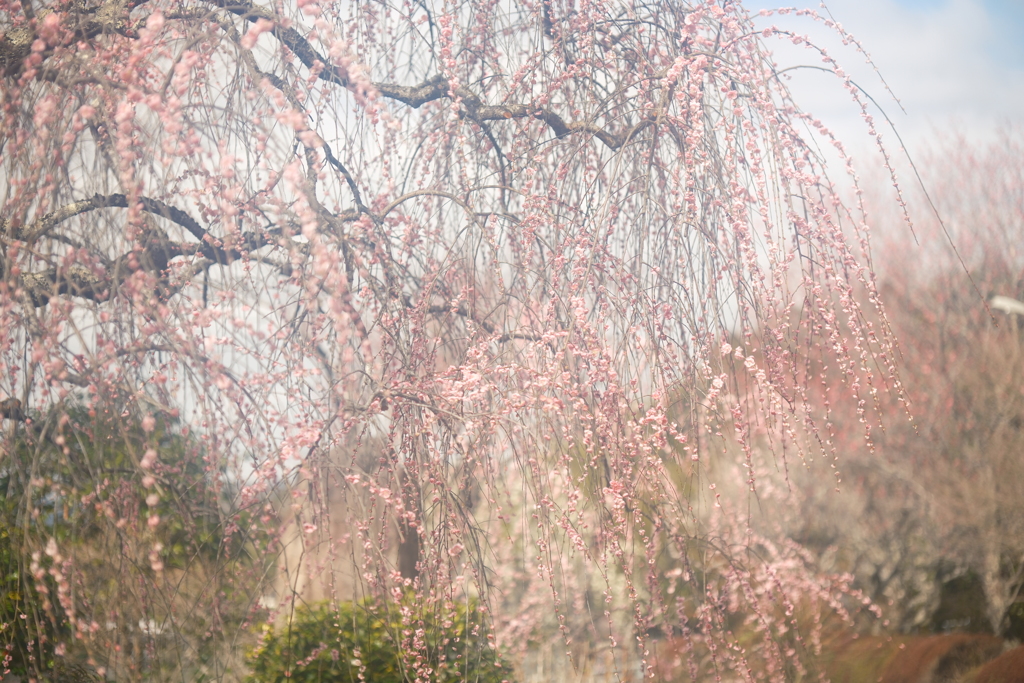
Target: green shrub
(368, 641)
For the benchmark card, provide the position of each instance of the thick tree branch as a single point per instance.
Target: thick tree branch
(80, 281)
(155, 255)
(11, 409)
(112, 17)
(83, 23)
(433, 89)
(85, 283)
(208, 245)
(15, 46)
(154, 206)
(461, 311)
(41, 286)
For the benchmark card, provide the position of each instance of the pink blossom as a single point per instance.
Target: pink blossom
(252, 35)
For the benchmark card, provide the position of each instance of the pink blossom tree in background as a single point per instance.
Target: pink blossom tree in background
(479, 300)
(938, 498)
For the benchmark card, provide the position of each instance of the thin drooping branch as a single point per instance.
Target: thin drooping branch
(285, 88)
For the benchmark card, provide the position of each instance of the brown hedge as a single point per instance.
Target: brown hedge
(1009, 668)
(909, 659)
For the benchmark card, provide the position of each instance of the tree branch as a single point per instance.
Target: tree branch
(83, 23)
(83, 282)
(98, 201)
(112, 17)
(486, 326)
(11, 409)
(432, 89)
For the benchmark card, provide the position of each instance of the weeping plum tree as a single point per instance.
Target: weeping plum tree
(483, 298)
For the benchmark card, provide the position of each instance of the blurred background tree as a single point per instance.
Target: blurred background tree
(931, 515)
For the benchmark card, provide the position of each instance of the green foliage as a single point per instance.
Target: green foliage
(78, 480)
(370, 641)
(78, 454)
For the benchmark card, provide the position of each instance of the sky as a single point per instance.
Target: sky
(955, 65)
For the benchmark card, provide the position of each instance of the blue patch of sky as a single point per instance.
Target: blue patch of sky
(1008, 17)
(1007, 20)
